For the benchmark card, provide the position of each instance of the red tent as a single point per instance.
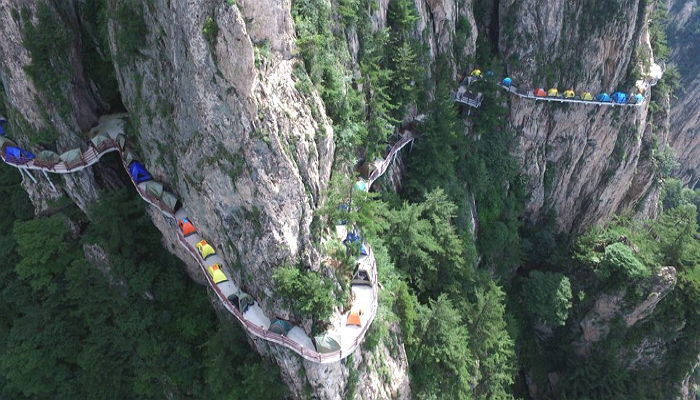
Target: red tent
(540, 93)
(186, 227)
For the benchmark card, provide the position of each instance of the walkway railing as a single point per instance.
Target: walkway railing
(406, 138)
(93, 155)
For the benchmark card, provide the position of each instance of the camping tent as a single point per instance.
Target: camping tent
(363, 250)
(154, 188)
(351, 237)
(361, 186)
(638, 98)
(586, 96)
(619, 98)
(16, 152)
(244, 301)
(507, 82)
(361, 277)
(241, 301)
(70, 156)
(139, 173)
(186, 227)
(604, 97)
(539, 93)
(121, 140)
(354, 319)
(47, 155)
(3, 122)
(476, 73)
(128, 156)
(280, 327)
(326, 344)
(553, 92)
(99, 139)
(569, 94)
(169, 200)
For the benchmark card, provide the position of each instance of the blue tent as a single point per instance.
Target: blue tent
(638, 98)
(3, 122)
(363, 250)
(507, 82)
(138, 172)
(16, 152)
(604, 97)
(619, 98)
(352, 237)
(489, 74)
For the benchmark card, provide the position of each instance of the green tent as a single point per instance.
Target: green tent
(47, 155)
(129, 156)
(170, 200)
(71, 155)
(99, 139)
(121, 140)
(154, 188)
(280, 327)
(326, 344)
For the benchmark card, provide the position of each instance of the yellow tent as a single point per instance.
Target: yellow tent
(217, 275)
(205, 249)
(553, 92)
(569, 94)
(476, 72)
(586, 96)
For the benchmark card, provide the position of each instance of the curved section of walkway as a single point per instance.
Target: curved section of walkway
(365, 295)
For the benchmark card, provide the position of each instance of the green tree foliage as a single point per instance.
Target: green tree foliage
(424, 244)
(547, 297)
(441, 363)
(305, 291)
(490, 342)
(619, 259)
(131, 328)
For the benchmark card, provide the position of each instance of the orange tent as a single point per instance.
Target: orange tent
(540, 93)
(354, 319)
(186, 227)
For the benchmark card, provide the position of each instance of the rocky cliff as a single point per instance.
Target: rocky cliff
(213, 94)
(215, 113)
(684, 40)
(584, 163)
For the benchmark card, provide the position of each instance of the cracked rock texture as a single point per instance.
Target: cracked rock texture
(684, 40)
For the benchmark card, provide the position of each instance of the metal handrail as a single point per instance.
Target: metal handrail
(93, 155)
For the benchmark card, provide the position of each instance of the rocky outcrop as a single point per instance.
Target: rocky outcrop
(581, 161)
(596, 323)
(684, 40)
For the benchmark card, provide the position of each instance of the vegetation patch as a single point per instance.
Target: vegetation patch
(49, 44)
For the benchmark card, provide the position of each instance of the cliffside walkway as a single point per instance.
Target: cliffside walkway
(109, 136)
(465, 95)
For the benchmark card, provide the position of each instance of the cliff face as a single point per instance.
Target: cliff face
(684, 41)
(585, 163)
(214, 112)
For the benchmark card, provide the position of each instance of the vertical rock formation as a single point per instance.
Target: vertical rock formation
(584, 163)
(684, 40)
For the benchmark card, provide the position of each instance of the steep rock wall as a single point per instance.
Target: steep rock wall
(684, 40)
(584, 163)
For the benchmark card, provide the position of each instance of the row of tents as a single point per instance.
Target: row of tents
(74, 157)
(617, 97)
